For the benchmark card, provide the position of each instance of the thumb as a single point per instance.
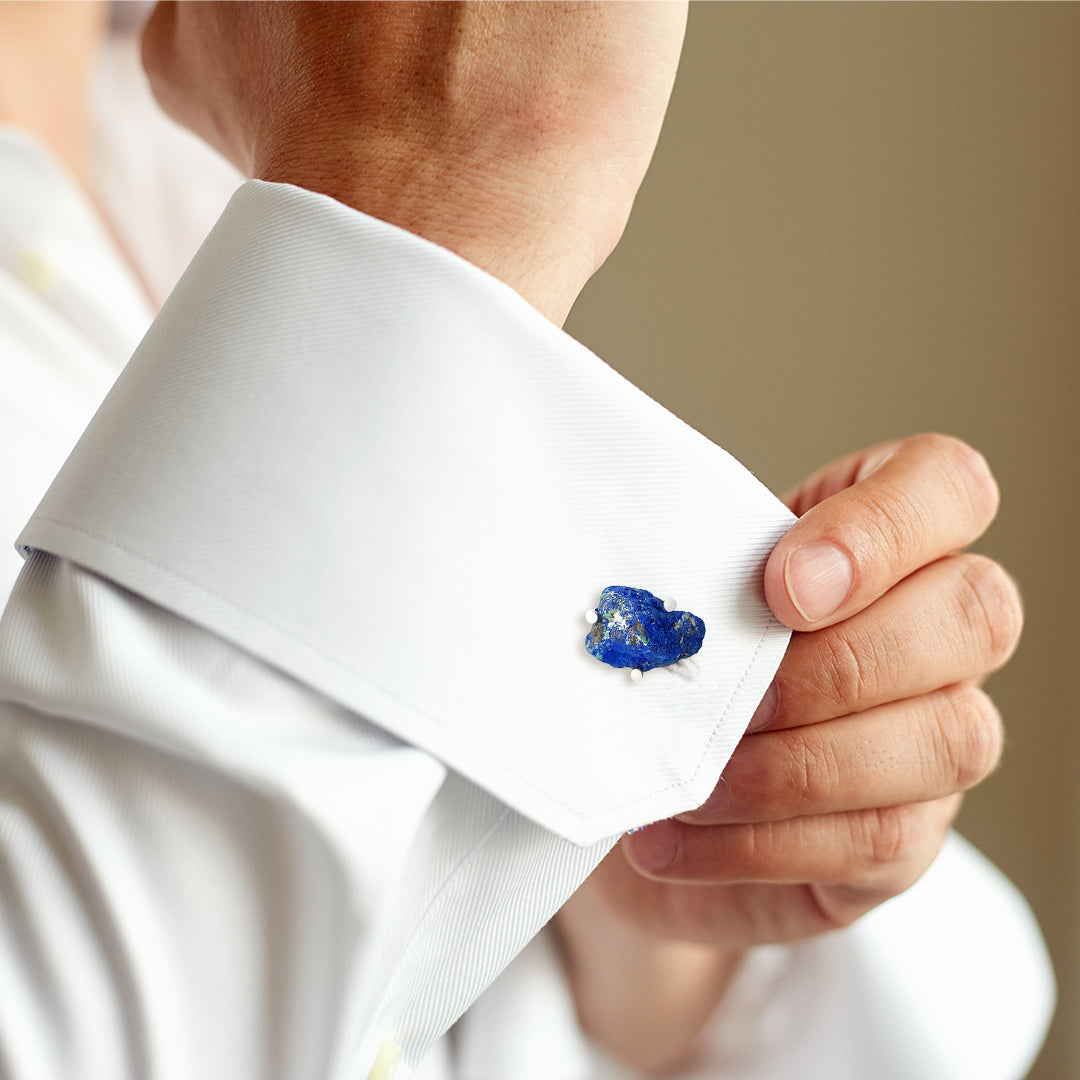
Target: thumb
(904, 505)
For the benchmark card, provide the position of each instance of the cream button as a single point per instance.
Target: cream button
(386, 1063)
(35, 271)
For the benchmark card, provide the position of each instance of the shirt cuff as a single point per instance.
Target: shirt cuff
(372, 465)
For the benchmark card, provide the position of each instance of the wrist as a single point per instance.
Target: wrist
(489, 217)
(515, 135)
(645, 999)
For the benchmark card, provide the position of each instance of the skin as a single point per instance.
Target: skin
(59, 40)
(516, 135)
(842, 796)
(513, 134)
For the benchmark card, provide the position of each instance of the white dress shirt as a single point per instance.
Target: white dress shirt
(359, 459)
(303, 744)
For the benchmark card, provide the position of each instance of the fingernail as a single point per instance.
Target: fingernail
(655, 846)
(765, 711)
(818, 579)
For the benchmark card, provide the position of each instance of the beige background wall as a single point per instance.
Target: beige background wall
(863, 220)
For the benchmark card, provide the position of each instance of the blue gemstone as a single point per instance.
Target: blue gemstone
(633, 630)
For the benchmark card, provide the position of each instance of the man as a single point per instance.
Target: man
(516, 137)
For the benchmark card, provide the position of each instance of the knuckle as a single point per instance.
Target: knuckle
(837, 907)
(970, 472)
(843, 669)
(892, 525)
(748, 848)
(861, 664)
(889, 833)
(990, 607)
(813, 774)
(973, 743)
(892, 847)
(895, 518)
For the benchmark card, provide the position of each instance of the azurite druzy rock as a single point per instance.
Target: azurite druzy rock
(633, 630)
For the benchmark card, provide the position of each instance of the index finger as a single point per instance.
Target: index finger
(932, 496)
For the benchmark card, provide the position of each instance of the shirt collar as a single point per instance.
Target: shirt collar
(377, 468)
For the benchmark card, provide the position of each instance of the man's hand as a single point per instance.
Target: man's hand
(514, 134)
(842, 793)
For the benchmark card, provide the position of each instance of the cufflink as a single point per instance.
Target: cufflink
(632, 628)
